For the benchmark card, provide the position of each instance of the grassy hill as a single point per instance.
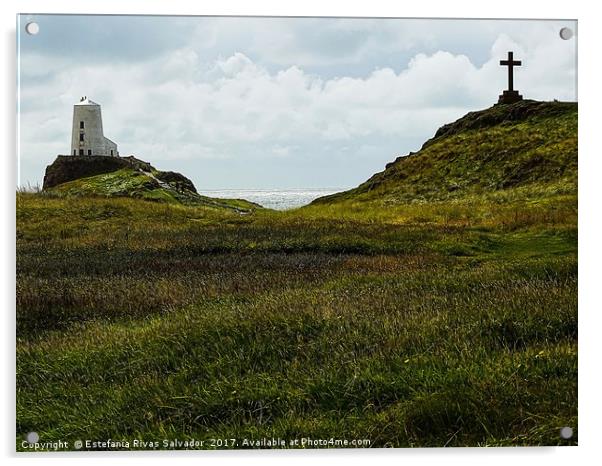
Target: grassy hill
(103, 176)
(132, 183)
(403, 312)
(529, 144)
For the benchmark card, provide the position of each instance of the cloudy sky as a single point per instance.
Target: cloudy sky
(273, 102)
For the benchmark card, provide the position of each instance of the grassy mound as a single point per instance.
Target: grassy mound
(151, 186)
(531, 145)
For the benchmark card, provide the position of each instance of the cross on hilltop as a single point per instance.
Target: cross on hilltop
(510, 96)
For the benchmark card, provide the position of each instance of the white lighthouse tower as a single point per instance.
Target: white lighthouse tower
(87, 137)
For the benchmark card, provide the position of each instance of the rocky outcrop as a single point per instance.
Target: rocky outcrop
(176, 179)
(73, 167)
(105, 176)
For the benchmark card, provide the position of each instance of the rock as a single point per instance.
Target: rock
(72, 167)
(176, 179)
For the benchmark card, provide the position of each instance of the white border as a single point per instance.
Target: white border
(590, 156)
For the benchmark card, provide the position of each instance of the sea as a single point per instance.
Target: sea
(278, 199)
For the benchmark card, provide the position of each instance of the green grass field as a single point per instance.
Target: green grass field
(144, 320)
(445, 320)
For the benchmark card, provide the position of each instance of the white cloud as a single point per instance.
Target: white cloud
(183, 107)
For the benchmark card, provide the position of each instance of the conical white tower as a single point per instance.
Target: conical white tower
(87, 137)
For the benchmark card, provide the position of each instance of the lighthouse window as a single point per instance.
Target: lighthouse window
(81, 125)
(81, 137)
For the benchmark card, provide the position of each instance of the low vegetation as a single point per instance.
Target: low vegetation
(447, 320)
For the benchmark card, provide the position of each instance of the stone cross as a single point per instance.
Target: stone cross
(510, 96)
(510, 63)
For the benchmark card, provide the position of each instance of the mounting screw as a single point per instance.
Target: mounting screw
(566, 433)
(32, 28)
(566, 33)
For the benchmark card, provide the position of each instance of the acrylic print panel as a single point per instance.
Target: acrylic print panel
(247, 232)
